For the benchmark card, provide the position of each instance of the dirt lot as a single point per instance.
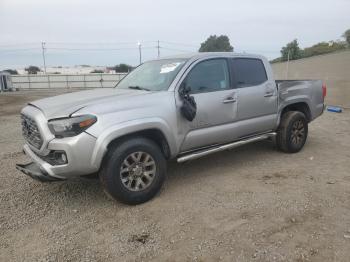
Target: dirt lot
(248, 204)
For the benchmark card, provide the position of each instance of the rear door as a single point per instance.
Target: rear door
(256, 96)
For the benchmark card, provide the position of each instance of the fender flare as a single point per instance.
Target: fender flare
(129, 127)
(294, 100)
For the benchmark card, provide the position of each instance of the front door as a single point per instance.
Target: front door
(211, 88)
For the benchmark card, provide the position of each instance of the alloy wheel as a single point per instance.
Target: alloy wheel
(298, 132)
(137, 171)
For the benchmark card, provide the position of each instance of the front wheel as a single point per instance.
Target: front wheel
(292, 132)
(134, 171)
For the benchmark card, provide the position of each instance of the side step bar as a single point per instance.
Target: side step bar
(211, 150)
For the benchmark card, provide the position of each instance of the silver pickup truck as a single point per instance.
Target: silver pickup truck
(181, 108)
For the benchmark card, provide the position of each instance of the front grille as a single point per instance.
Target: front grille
(31, 132)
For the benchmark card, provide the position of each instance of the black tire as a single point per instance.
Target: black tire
(111, 172)
(292, 132)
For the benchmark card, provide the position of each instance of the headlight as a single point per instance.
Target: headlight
(66, 127)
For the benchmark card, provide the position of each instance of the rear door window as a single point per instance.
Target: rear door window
(248, 72)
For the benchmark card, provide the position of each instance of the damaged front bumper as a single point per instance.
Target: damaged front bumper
(57, 158)
(38, 169)
(77, 152)
(34, 171)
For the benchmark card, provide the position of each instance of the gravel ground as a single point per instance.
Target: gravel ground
(248, 204)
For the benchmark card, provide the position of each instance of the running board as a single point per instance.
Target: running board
(205, 152)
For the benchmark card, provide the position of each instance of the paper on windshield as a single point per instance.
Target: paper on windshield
(169, 67)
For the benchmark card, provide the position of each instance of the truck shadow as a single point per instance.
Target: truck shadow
(225, 160)
(89, 190)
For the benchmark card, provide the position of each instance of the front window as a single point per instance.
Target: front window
(209, 76)
(153, 76)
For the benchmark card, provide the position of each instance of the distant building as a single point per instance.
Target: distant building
(5, 81)
(70, 70)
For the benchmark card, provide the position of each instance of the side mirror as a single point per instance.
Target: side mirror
(184, 89)
(189, 106)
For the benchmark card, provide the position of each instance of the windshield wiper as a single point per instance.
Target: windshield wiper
(138, 88)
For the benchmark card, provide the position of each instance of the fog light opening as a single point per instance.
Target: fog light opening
(60, 158)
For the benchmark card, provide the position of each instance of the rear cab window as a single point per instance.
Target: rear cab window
(248, 72)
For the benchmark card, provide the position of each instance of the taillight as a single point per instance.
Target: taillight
(324, 90)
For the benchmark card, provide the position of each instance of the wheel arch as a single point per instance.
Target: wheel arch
(302, 107)
(154, 130)
(153, 134)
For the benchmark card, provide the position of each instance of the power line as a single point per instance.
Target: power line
(256, 51)
(179, 50)
(158, 47)
(98, 49)
(19, 44)
(73, 43)
(98, 43)
(182, 44)
(65, 46)
(18, 50)
(79, 47)
(89, 49)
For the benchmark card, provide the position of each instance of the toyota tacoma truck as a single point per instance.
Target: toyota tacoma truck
(181, 107)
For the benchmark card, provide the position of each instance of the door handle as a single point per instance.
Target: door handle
(229, 100)
(268, 94)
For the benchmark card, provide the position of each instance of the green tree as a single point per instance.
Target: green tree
(346, 35)
(293, 49)
(322, 48)
(276, 60)
(96, 71)
(122, 68)
(33, 70)
(11, 71)
(216, 44)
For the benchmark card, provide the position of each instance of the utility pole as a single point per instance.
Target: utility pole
(140, 55)
(287, 64)
(43, 49)
(158, 47)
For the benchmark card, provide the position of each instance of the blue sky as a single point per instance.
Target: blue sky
(108, 31)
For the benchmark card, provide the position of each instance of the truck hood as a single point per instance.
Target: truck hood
(66, 104)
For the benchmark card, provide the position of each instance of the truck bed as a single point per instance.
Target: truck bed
(293, 82)
(309, 92)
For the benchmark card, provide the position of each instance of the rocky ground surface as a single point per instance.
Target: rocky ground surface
(248, 204)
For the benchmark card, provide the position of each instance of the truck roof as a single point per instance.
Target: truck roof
(200, 55)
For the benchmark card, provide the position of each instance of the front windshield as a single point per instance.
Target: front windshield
(153, 76)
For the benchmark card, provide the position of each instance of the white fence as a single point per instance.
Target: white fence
(66, 81)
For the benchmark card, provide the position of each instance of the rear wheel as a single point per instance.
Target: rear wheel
(134, 171)
(292, 132)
